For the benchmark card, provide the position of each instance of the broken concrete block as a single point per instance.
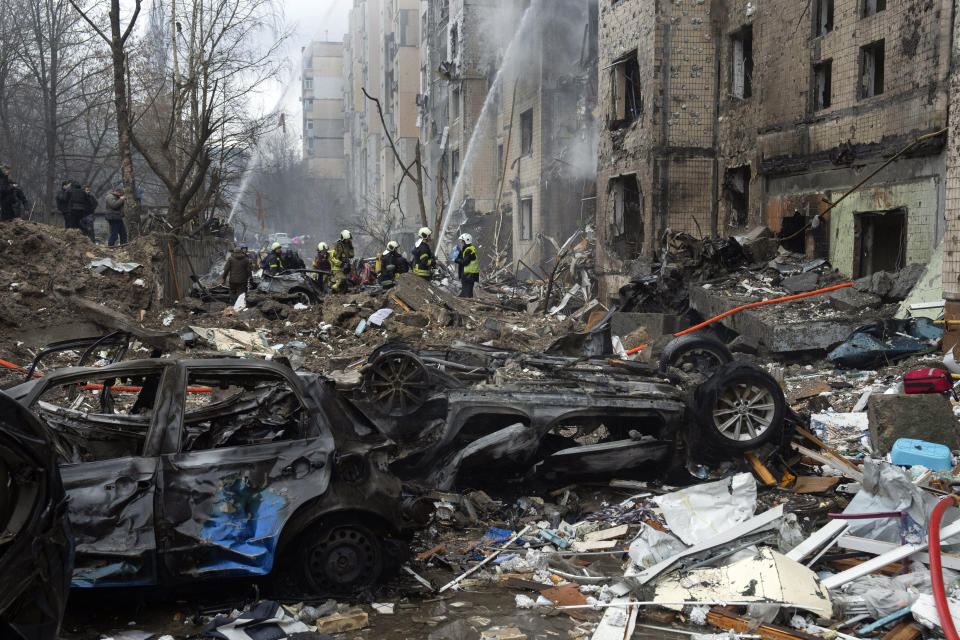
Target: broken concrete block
(350, 620)
(606, 534)
(599, 545)
(801, 283)
(905, 280)
(926, 417)
(878, 284)
(851, 300)
(744, 344)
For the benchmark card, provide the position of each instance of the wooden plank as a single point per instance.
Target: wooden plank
(762, 472)
(903, 631)
(830, 452)
(725, 618)
(440, 548)
(830, 460)
(814, 484)
(949, 560)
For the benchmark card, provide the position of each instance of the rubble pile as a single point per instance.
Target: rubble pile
(717, 456)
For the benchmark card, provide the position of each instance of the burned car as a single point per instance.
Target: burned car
(510, 414)
(185, 469)
(36, 546)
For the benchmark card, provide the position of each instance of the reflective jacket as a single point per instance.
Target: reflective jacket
(341, 256)
(423, 259)
(470, 259)
(388, 259)
(275, 264)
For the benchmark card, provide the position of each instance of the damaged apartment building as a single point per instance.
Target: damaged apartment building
(720, 115)
(502, 106)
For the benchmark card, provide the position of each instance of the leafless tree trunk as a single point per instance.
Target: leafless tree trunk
(117, 41)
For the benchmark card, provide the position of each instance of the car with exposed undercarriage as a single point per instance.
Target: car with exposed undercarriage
(178, 470)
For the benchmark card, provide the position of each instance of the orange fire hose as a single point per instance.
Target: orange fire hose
(749, 306)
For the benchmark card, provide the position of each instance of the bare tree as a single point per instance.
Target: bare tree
(193, 128)
(117, 41)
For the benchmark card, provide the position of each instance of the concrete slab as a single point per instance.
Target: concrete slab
(779, 336)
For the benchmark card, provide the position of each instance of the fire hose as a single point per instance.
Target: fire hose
(936, 567)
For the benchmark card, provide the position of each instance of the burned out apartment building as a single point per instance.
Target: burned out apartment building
(503, 109)
(720, 115)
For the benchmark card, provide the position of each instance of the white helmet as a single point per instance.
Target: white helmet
(393, 245)
(424, 232)
(323, 247)
(467, 238)
(275, 246)
(345, 235)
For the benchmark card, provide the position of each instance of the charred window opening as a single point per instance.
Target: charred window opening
(526, 219)
(871, 70)
(455, 104)
(626, 100)
(736, 191)
(626, 216)
(822, 84)
(240, 411)
(880, 241)
(100, 419)
(824, 18)
(741, 76)
(454, 42)
(455, 164)
(871, 7)
(526, 132)
(443, 9)
(499, 167)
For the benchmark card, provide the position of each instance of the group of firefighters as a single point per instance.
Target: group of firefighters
(332, 266)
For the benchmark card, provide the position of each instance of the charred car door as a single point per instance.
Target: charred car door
(105, 425)
(249, 452)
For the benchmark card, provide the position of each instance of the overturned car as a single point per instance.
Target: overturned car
(185, 469)
(505, 414)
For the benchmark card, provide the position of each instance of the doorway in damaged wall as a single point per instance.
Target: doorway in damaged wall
(879, 241)
(625, 216)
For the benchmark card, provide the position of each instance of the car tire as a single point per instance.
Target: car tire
(739, 408)
(695, 354)
(340, 559)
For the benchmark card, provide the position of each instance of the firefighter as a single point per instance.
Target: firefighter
(321, 262)
(423, 259)
(340, 259)
(275, 260)
(468, 265)
(390, 264)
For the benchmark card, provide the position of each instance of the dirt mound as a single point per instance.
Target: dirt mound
(42, 266)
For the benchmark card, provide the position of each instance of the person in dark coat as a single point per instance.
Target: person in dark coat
(86, 222)
(237, 272)
(63, 203)
(6, 194)
(78, 203)
(114, 215)
(20, 204)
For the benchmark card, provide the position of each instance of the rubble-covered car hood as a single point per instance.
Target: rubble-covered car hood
(36, 547)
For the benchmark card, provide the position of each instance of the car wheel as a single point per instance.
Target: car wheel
(695, 354)
(740, 407)
(340, 559)
(396, 383)
(303, 297)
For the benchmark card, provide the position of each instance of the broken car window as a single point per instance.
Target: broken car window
(100, 419)
(240, 410)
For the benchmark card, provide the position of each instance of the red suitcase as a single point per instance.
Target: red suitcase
(927, 381)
